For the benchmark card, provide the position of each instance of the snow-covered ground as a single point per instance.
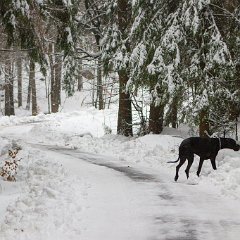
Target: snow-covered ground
(75, 181)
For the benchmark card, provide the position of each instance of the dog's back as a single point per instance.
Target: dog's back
(203, 147)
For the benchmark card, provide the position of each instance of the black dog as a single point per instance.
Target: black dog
(205, 148)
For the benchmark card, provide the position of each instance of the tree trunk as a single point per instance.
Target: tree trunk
(204, 128)
(58, 80)
(9, 94)
(125, 107)
(29, 94)
(156, 118)
(171, 117)
(55, 85)
(33, 88)
(100, 86)
(80, 77)
(174, 117)
(52, 72)
(19, 78)
(7, 88)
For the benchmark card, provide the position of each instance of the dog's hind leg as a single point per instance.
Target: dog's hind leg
(200, 166)
(213, 162)
(190, 161)
(182, 161)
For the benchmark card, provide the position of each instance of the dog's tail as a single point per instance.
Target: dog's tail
(174, 161)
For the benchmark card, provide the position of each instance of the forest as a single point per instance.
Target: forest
(165, 62)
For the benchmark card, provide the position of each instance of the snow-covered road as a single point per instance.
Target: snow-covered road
(136, 203)
(115, 206)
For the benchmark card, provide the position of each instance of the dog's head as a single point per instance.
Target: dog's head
(237, 148)
(232, 144)
(13, 153)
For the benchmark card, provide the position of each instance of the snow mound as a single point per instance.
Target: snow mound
(49, 206)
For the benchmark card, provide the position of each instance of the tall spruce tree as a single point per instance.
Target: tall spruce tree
(116, 50)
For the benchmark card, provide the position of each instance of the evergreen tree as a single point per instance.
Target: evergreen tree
(181, 46)
(115, 54)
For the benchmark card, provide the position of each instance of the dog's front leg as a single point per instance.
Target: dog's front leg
(213, 162)
(200, 166)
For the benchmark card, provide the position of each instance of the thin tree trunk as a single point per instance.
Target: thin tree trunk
(80, 77)
(54, 87)
(19, 78)
(33, 88)
(96, 100)
(29, 91)
(52, 72)
(93, 92)
(29, 95)
(100, 86)
(9, 94)
(47, 94)
(7, 100)
(58, 80)
(7, 87)
(110, 97)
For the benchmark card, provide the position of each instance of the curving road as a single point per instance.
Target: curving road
(146, 204)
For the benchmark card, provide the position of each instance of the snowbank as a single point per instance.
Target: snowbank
(42, 202)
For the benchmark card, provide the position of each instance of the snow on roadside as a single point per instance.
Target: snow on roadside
(227, 176)
(47, 202)
(87, 120)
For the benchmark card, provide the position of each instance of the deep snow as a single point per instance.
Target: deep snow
(75, 182)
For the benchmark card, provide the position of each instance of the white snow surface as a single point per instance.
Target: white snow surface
(76, 182)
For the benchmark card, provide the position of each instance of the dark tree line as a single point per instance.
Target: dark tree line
(182, 56)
